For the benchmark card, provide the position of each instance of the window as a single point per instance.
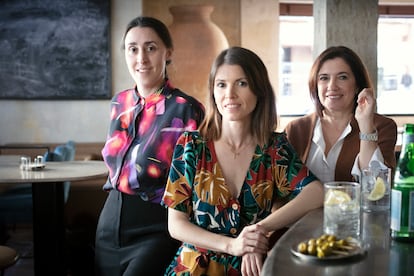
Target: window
(395, 90)
(295, 62)
(395, 65)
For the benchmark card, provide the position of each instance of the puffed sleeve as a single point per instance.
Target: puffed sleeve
(289, 173)
(178, 190)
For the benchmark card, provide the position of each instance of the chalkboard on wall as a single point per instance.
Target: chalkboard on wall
(54, 49)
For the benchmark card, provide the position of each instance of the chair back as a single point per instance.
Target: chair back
(71, 150)
(17, 201)
(64, 152)
(53, 157)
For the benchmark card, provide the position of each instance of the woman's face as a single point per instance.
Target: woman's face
(336, 86)
(146, 56)
(233, 96)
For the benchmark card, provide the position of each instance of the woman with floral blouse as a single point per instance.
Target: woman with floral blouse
(225, 178)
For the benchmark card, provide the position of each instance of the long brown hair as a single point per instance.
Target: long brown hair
(264, 118)
(358, 69)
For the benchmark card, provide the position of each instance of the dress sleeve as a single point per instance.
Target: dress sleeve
(290, 174)
(178, 190)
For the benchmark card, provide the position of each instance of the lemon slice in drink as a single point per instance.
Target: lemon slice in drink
(334, 197)
(378, 191)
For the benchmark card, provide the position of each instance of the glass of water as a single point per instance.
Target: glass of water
(342, 216)
(376, 186)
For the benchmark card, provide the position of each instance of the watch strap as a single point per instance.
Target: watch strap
(369, 136)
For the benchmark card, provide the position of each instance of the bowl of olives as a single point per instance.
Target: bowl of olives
(327, 247)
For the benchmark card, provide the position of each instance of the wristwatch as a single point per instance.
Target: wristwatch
(369, 136)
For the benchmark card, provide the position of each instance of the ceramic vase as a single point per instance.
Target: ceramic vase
(197, 42)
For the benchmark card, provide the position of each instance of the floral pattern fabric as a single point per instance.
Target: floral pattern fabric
(196, 186)
(142, 136)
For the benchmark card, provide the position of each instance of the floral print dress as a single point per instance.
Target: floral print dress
(196, 186)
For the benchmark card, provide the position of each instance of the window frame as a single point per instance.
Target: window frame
(301, 9)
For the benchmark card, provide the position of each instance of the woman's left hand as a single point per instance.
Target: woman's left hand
(364, 112)
(252, 264)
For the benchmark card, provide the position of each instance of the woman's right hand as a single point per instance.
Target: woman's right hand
(252, 239)
(364, 113)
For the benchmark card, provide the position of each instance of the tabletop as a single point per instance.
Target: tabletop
(48, 204)
(10, 171)
(383, 256)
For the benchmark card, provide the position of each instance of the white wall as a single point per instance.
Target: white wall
(41, 121)
(53, 121)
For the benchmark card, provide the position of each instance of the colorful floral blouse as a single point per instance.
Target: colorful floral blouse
(142, 136)
(196, 186)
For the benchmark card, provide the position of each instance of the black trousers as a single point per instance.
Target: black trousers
(132, 237)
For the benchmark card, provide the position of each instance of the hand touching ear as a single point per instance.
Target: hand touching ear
(364, 112)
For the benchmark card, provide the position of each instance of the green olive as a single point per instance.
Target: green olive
(320, 252)
(303, 248)
(324, 236)
(341, 242)
(323, 250)
(312, 249)
(312, 242)
(326, 247)
(331, 238)
(332, 244)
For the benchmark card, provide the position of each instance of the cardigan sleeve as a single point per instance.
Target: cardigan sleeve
(387, 138)
(299, 133)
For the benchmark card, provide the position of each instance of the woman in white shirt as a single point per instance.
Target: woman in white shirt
(344, 134)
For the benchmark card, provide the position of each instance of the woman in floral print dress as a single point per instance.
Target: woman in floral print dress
(225, 178)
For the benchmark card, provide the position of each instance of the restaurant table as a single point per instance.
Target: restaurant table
(382, 255)
(48, 205)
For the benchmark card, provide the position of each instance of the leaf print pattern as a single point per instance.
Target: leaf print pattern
(275, 171)
(177, 165)
(262, 193)
(279, 173)
(179, 195)
(210, 187)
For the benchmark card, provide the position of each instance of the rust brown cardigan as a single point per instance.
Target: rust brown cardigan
(300, 133)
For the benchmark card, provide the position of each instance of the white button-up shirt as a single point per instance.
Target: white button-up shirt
(324, 166)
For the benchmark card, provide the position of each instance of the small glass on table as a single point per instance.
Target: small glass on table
(376, 187)
(342, 216)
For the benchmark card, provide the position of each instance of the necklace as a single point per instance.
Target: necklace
(235, 152)
(159, 91)
(156, 92)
